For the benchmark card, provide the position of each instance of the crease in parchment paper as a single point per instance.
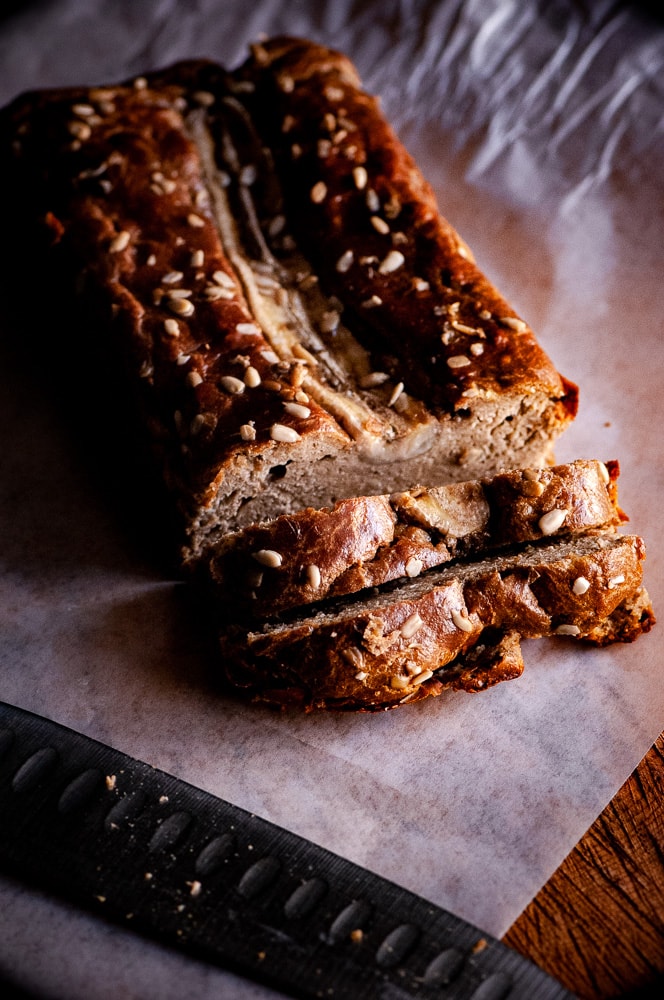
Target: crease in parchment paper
(540, 127)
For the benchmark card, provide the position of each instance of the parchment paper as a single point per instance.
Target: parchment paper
(540, 126)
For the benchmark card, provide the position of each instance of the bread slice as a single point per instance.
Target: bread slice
(362, 542)
(456, 627)
(299, 323)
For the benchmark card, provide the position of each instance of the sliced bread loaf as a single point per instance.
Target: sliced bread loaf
(456, 627)
(361, 542)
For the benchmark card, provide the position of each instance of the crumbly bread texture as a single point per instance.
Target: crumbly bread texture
(457, 627)
(300, 323)
(363, 542)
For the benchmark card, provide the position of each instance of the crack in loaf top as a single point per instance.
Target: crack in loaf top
(371, 224)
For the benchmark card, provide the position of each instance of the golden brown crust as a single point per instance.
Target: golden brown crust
(369, 220)
(367, 541)
(406, 643)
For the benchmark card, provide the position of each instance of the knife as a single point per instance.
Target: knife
(152, 852)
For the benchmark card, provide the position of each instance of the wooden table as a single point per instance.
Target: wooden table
(598, 924)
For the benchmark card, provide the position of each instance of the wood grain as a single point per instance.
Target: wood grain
(598, 924)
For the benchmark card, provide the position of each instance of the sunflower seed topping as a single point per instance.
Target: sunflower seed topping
(172, 327)
(318, 192)
(372, 200)
(551, 521)
(513, 323)
(396, 392)
(360, 177)
(567, 630)
(120, 242)
(181, 307)
(392, 262)
(232, 385)
(213, 293)
(252, 377)
(268, 557)
(373, 379)
(172, 278)
(414, 566)
(345, 261)
(297, 410)
(372, 302)
(458, 361)
(411, 626)
(81, 130)
(223, 279)
(287, 435)
(380, 225)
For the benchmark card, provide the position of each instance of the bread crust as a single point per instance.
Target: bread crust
(410, 641)
(363, 542)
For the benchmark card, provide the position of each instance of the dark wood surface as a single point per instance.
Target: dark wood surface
(598, 923)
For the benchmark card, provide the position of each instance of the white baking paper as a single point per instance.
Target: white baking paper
(541, 128)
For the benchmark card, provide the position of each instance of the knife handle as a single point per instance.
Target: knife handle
(154, 853)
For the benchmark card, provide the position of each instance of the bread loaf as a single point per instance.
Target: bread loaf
(306, 337)
(362, 542)
(456, 627)
(299, 322)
